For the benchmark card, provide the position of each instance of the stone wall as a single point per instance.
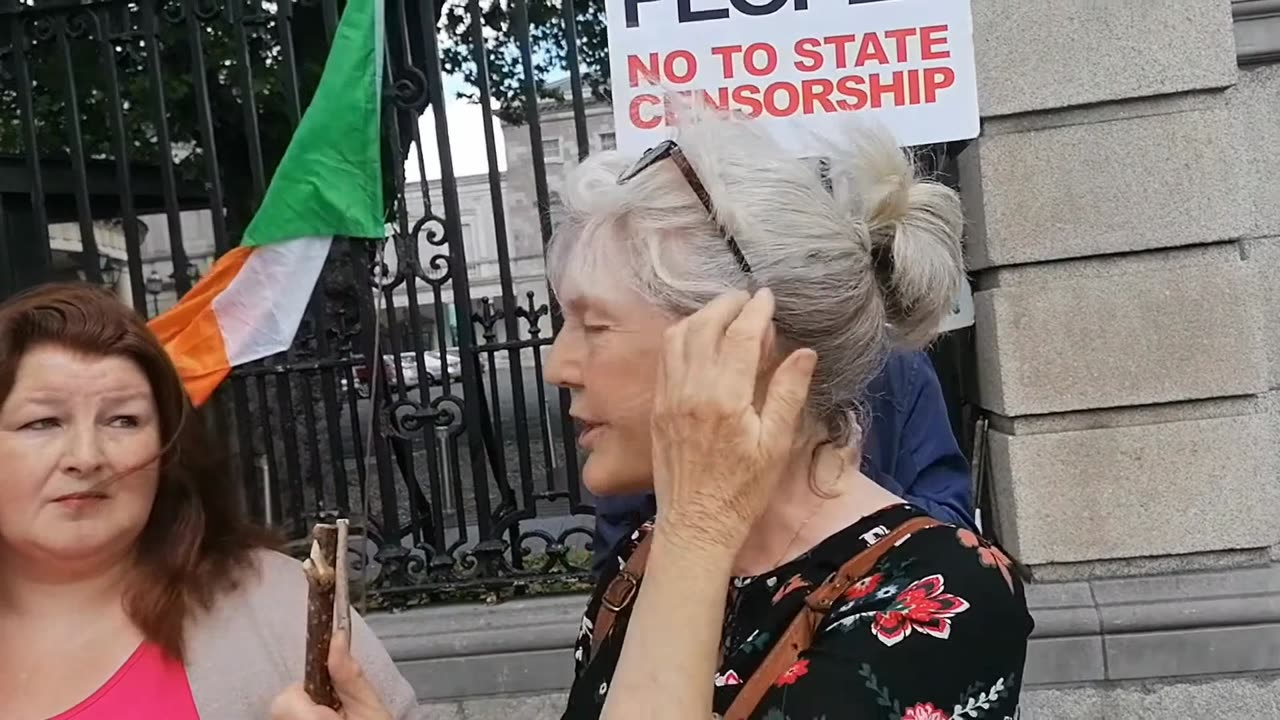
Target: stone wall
(1118, 242)
(1124, 214)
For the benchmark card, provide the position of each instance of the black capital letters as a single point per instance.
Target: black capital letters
(747, 8)
(633, 11)
(688, 14)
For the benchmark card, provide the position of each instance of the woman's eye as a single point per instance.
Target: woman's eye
(125, 421)
(41, 424)
(594, 329)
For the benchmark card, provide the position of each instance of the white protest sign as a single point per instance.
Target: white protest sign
(800, 66)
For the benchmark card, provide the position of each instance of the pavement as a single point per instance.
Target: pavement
(548, 706)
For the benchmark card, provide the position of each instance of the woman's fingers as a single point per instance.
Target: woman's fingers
(704, 330)
(294, 704)
(359, 700)
(720, 346)
(671, 361)
(745, 342)
(784, 403)
(704, 419)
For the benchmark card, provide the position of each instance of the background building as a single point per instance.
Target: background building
(560, 153)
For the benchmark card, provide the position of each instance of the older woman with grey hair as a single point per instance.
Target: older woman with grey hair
(722, 300)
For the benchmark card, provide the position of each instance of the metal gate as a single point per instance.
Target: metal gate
(407, 402)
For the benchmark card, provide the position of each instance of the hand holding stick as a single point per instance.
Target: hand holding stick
(327, 600)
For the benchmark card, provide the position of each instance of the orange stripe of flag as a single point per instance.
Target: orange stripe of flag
(191, 334)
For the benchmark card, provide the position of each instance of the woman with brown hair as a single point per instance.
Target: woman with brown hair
(130, 584)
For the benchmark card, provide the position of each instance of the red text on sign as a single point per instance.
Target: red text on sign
(857, 73)
(678, 67)
(758, 59)
(815, 96)
(889, 47)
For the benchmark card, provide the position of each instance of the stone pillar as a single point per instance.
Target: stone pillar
(1120, 200)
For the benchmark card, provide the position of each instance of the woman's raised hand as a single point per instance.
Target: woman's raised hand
(718, 449)
(359, 700)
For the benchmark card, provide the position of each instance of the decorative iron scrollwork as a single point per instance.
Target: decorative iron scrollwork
(556, 550)
(532, 313)
(207, 10)
(488, 318)
(448, 413)
(438, 269)
(409, 90)
(39, 29)
(132, 44)
(173, 11)
(82, 23)
(408, 416)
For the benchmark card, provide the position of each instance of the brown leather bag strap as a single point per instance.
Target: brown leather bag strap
(799, 634)
(620, 593)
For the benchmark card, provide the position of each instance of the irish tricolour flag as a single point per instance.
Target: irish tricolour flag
(328, 184)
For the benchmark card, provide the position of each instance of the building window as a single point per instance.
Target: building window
(608, 141)
(475, 246)
(551, 150)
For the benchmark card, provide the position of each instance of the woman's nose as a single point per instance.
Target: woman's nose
(83, 453)
(563, 366)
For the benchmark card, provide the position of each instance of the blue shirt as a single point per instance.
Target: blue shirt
(909, 450)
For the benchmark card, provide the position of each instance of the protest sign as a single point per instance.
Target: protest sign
(800, 66)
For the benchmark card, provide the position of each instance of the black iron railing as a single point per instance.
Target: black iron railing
(407, 402)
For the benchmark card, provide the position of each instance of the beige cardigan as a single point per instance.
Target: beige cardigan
(251, 645)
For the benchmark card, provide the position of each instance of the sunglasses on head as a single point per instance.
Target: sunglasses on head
(669, 149)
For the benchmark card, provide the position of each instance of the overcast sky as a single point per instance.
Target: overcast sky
(466, 142)
(466, 135)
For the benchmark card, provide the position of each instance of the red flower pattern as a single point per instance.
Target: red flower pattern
(793, 673)
(922, 607)
(988, 555)
(864, 587)
(924, 711)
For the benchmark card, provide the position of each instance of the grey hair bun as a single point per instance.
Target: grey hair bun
(913, 230)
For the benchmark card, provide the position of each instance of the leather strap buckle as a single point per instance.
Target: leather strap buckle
(822, 598)
(621, 591)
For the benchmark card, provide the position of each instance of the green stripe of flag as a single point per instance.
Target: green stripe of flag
(330, 179)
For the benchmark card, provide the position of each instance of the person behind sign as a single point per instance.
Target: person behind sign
(719, 306)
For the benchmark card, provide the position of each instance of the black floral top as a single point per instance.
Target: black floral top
(937, 631)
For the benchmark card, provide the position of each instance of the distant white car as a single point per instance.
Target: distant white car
(432, 363)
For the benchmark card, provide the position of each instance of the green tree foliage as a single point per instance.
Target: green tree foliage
(259, 61)
(548, 42)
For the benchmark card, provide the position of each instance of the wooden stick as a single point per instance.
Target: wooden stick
(342, 593)
(321, 585)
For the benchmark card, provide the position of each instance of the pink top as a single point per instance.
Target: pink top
(149, 686)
